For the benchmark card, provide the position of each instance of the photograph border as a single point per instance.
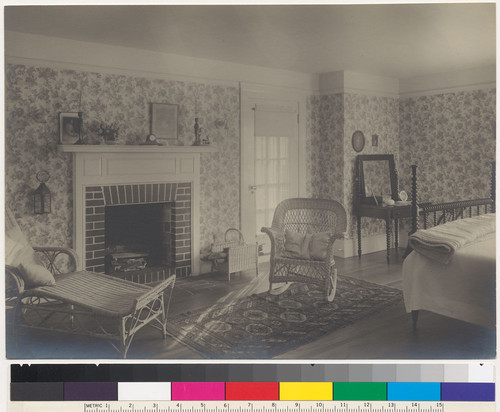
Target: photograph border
(69, 115)
(164, 119)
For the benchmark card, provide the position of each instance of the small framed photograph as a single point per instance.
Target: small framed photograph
(70, 125)
(164, 121)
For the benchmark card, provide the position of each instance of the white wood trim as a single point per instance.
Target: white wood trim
(359, 83)
(30, 49)
(147, 169)
(444, 90)
(346, 248)
(250, 91)
(135, 149)
(451, 82)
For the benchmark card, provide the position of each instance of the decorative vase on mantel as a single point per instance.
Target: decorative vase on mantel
(109, 132)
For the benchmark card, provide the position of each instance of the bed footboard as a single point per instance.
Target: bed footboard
(433, 214)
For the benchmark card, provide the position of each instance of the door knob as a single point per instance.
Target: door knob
(252, 188)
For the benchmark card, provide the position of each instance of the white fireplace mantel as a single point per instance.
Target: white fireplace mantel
(146, 148)
(133, 164)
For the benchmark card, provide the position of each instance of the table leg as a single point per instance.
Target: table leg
(396, 234)
(359, 235)
(388, 238)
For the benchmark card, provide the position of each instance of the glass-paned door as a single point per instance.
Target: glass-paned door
(270, 159)
(272, 176)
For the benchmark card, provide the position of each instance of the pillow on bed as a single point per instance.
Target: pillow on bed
(306, 246)
(36, 275)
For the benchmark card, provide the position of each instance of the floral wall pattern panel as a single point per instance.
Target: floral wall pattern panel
(325, 155)
(371, 115)
(35, 95)
(451, 139)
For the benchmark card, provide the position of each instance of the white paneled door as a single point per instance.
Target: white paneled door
(269, 160)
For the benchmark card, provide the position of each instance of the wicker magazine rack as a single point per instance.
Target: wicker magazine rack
(233, 255)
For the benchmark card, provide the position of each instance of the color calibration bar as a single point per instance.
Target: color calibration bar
(253, 391)
(243, 372)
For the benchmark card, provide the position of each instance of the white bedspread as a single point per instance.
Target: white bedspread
(441, 242)
(463, 289)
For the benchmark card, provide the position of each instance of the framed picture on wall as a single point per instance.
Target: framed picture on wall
(164, 121)
(70, 125)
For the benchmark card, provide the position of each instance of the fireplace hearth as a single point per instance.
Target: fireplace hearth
(139, 231)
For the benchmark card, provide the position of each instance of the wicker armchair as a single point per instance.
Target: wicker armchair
(306, 216)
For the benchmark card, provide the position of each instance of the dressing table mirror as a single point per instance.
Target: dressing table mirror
(377, 194)
(377, 178)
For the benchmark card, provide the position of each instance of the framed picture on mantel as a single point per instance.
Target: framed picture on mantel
(164, 121)
(70, 125)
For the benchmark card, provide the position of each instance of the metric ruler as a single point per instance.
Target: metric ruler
(254, 406)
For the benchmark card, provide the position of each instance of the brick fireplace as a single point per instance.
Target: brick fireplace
(113, 175)
(97, 198)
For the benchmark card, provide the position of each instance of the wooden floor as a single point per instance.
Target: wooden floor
(386, 335)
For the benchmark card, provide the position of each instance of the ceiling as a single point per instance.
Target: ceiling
(395, 40)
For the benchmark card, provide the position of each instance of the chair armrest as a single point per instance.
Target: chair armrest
(272, 233)
(277, 240)
(14, 283)
(50, 255)
(275, 236)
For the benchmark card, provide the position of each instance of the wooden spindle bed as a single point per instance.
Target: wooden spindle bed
(460, 284)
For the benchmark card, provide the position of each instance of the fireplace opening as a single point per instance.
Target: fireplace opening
(137, 237)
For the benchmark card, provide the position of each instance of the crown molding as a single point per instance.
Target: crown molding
(451, 82)
(358, 83)
(35, 50)
(29, 49)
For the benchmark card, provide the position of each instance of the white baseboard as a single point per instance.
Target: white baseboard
(349, 247)
(344, 248)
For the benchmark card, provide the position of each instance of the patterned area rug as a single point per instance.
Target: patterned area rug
(264, 326)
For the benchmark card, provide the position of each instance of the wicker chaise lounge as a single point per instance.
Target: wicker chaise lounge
(78, 301)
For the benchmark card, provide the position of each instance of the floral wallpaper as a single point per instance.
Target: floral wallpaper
(451, 139)
(35, 95)
(330, 155)
(325, 157)
(371, 115)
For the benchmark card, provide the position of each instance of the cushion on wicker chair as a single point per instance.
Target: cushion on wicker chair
(306, 245)
(17, 247)
(297, 245)
(318, 248)
(35, 275)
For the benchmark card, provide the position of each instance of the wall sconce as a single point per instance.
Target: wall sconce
(42, 196)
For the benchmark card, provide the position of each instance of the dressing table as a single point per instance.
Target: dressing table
(376, 178)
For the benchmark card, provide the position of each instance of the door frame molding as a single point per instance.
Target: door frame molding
(250, 92)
